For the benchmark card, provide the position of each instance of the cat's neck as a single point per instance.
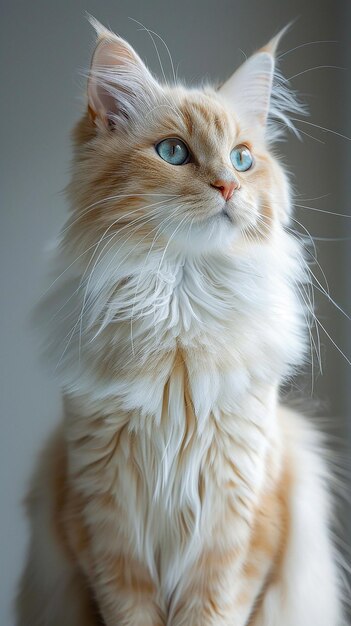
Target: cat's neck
(233, 321)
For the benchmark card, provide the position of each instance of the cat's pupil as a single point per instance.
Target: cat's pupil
(173, 151)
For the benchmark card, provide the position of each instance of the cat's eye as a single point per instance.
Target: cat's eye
(241, 158)
(173, 150)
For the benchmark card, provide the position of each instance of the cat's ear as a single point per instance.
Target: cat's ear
(249, 88)
(120, 87)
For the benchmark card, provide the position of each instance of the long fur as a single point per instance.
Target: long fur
(178, 491)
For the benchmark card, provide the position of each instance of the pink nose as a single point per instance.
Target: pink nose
(226, 187)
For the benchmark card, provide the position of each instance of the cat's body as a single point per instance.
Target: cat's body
(178, 492)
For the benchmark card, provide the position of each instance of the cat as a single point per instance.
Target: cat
(178, 489)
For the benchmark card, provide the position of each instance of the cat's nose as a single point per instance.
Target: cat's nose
(226, 187)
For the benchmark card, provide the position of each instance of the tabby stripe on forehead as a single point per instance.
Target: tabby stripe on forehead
(188, 120)
(203, 111)
(210, 118)
(219, 124)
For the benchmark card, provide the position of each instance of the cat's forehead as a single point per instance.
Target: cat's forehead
(201, 115)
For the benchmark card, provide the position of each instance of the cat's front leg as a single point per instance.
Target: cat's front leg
(125, 593)
(127, 606)
(208, 597)
(223, 587)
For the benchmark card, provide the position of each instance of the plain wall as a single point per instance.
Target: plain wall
(44, 48)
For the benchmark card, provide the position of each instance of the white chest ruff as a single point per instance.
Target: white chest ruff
(193, 354)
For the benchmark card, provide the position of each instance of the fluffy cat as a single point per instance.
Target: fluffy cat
(178, 491)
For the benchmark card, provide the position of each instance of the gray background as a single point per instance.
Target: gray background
(44, 47)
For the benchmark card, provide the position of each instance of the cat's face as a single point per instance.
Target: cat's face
(176, 167)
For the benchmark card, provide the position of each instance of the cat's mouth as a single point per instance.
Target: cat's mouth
(225, 213)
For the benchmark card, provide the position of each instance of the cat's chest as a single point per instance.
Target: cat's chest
(177, 482)
(197, 485)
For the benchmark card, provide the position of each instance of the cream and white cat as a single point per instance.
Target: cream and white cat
(178, 491)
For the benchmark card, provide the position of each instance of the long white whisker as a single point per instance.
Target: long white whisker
(151, 32)
(319, 323)
(327, 295)
(308, 300)
(317, 67)
(107, 199)
(330, 239)
(326, 130)
(303, 45)
(94, 245)
(303, 132)
(140, 219)
(163, 256)
(159, 231)
(310, 208)
(126, 226)
(79, 320)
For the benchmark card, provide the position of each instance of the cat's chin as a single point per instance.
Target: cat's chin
(214, 234)
(225, 214)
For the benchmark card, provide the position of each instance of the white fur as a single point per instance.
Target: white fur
(255, 326)
(307, 592)
(234, 312)
(263, 339)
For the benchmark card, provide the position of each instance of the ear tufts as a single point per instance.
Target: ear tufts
(120, 87)
(101, 31)
(260, 95)
(249, 89)
(272, 46)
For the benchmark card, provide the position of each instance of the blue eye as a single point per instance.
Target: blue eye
(241, 158)
(174, 151)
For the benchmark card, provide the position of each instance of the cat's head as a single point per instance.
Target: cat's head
(169, 166)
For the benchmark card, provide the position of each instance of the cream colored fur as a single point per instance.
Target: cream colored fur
(178, 492)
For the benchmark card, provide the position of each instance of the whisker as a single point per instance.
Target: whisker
(333, 342)
(313, 247)
(303, 45)
(310, 208)
(85, 300)
(303, 132)
(317, 321)
(151, 33)
(127, 226)
(327, 295)
(308, 300)
(123, 217)
(164, 253)
(159, 231)
(154, 43)
(325, 195)
(79, 320)
(331, 239)
(169, 241)
(326, 130)
(317, 67)
(162, 40)
(94, 245)
(131, 252)
(115, 197)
